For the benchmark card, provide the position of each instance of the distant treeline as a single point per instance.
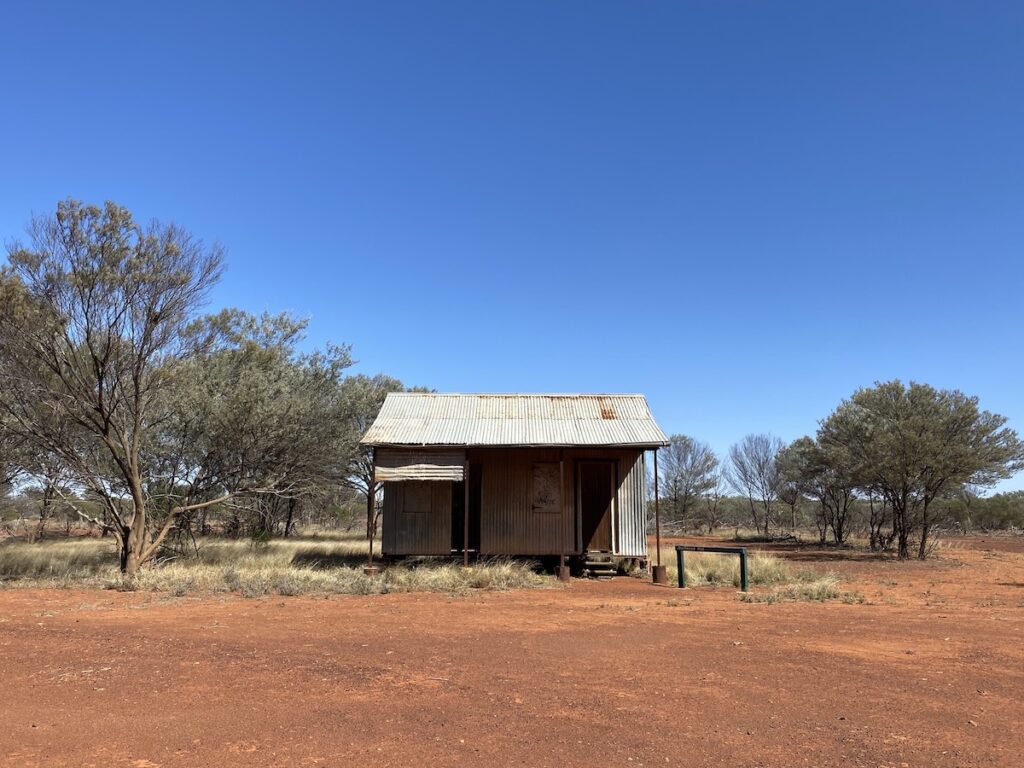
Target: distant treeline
(964, 513)
(892, 462)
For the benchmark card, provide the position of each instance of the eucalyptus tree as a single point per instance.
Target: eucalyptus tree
(254, 417)
(823, 475)
(687, 469)
(753, 472)
(155, 412)
(709, 507)
(92, 314)
(913, 444)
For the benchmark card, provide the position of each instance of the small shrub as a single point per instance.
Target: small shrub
(766, 569)
(253, 585)
(182, 587)
(820, 589)
(289, 584)
(231, 578)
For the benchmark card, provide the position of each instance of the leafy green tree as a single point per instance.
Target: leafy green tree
(155, 412)
(254, 414)
(821, 474)
(913, 444)
(999, 511)
(92, 313)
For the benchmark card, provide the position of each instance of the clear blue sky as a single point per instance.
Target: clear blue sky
(744, 210)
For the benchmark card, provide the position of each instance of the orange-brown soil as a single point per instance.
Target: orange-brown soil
(929, 671)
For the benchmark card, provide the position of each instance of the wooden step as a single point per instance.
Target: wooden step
(600, 570)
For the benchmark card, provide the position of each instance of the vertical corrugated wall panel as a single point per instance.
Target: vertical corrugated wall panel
(508, 523)
(390, 522)
(631, 520)
(417, 533)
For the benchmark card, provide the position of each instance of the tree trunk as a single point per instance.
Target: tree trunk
(44, 512)
(133, 544)
(903, 552)
(753, 513)
(922, 550)
(902, 534)
(874, 525)
(842, 503)
(901, 525)
(290, 518)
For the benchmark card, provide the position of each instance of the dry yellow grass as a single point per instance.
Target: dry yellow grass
(333, 563)
(816, 589)
(724, 570)
(785, 582)
(323, 564)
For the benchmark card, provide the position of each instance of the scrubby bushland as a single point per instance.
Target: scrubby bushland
(125, 405)
(891, 464)
(914, 445)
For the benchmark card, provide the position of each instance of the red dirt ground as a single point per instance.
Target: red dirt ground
(928, 672)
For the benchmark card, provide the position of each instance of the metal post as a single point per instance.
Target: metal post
(561, 503)
(465, 513)
(371, 523)
(563, 569)
(369, 556)
(681, 561)
(371, 512)
(659, 572)
(657, 512)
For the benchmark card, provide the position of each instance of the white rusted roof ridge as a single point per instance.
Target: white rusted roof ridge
(415, 418)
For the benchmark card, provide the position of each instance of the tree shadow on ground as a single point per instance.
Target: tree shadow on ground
(311, 558)
(329, 537)
(830, 556)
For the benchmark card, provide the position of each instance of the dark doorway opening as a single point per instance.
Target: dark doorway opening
(458, 507)
(596, 495)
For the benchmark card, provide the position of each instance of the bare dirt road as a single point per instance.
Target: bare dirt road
(928, 672)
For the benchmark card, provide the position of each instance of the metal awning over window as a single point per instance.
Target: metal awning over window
(397, 464)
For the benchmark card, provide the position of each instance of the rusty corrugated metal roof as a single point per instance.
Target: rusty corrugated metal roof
(415, 418)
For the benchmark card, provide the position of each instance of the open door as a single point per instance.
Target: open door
(596, 494)
(458, 510)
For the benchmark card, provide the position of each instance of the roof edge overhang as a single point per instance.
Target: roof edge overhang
(442, 446)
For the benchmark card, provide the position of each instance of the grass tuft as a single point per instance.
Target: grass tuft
(810, 588)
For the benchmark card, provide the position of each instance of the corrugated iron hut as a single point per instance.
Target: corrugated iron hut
(540, 475)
